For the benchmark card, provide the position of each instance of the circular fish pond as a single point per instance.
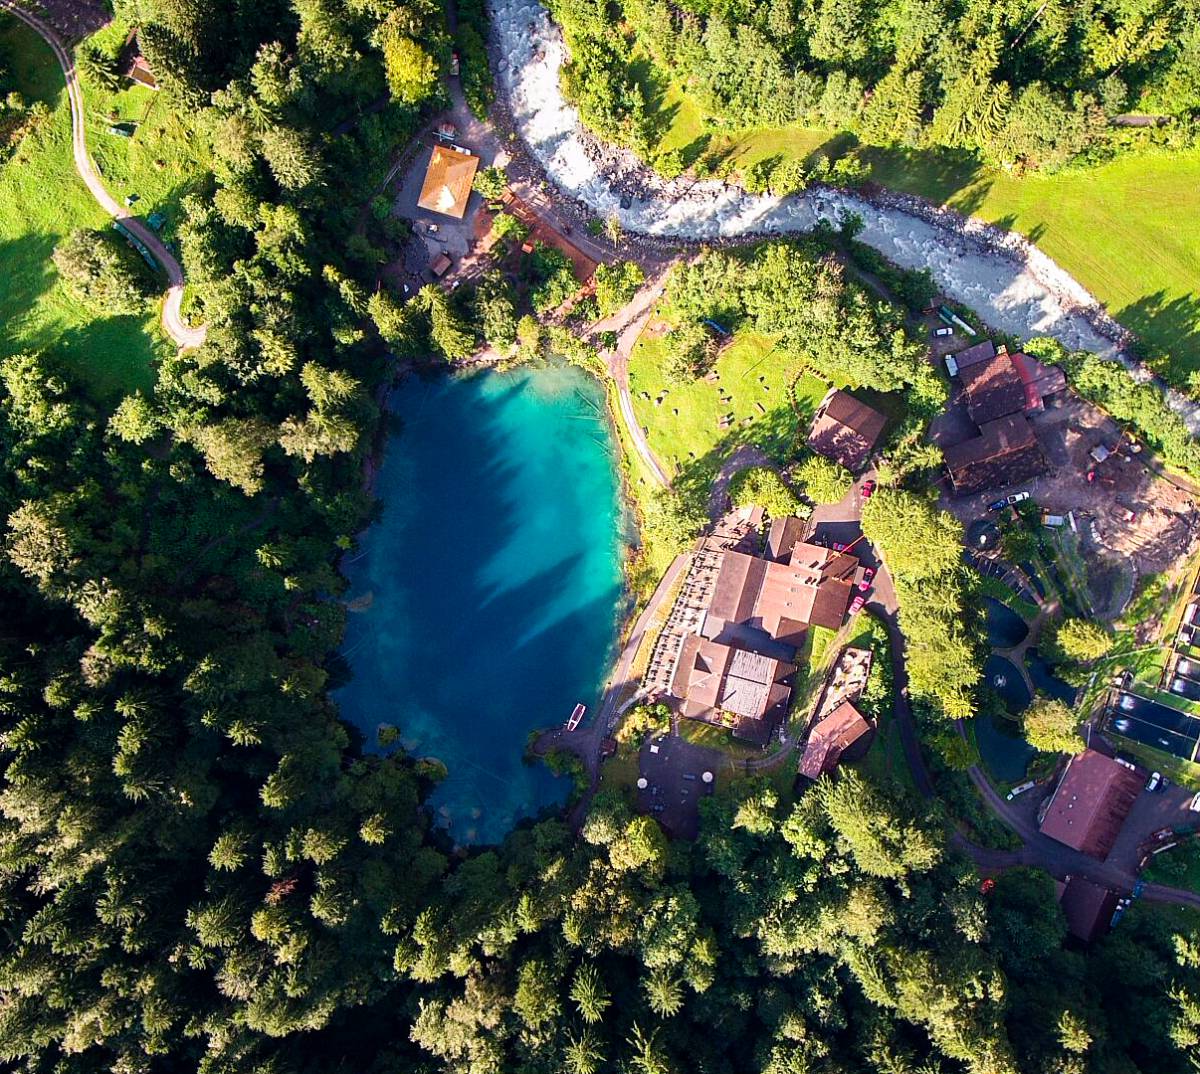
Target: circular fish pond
(1003, 677)
(1005, 753)
(1004, 627)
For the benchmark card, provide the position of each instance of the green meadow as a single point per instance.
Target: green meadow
(1128, 230)
(42, 199)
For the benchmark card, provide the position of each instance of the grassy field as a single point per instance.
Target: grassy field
(683, 427)
(42, 198)
(1127, 230)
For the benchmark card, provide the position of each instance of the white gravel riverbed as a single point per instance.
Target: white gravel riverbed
(1010, 283)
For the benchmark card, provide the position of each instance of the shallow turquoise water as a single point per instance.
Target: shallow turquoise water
(494, 580)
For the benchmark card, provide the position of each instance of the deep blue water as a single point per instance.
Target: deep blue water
(492, 584)
(1042, 674)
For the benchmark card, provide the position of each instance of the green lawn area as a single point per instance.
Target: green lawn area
(763, 411)
(42, 198)
(1178, 867)
(1118, 227)
(884, 762)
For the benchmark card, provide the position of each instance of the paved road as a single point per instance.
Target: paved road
(173, 323)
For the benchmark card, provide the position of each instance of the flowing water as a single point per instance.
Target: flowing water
(488, 594)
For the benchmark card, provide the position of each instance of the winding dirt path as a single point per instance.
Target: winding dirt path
(628, 323)
(174, 325)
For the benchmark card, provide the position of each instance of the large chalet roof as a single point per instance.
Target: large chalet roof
(813, 587)
(1091, 803)
(845, 429)
(712, 678)
(830, 738)
(1006, 452)
(993, 388)
(447, 186)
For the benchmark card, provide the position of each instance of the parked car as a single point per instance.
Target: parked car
(1162, 833)
(1194, 804)
(838, 546)
(865, 584)
(1017, 497)
(997, 505)
(1154, 782)
(1021, 788)
(945, 330)
(857, 604)
(1129, 764)
(867, 488)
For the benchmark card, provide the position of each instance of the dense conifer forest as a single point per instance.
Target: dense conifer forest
(1020, 82)
(201, 869)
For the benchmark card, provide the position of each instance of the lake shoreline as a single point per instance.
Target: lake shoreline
(621, 538)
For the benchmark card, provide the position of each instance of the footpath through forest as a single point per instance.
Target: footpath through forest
(183, 334)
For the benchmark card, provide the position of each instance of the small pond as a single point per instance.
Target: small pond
(1006, 755)
(1044, 679)
(1003, 677)
(485, 601)
(1005, 627)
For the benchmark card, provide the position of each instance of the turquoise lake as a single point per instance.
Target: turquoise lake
(488, 593)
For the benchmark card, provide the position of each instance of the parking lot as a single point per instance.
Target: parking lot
(673, 770)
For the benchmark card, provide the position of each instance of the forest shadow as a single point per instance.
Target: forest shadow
(1168, 332)
(28, 276)
(954, 178)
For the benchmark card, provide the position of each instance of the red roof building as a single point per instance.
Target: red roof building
(845, 429)
(1090, 803)
(830, 738)
(732, 687)
(1088, 908)
(782, 599)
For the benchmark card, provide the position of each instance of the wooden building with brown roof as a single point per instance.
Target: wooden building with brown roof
(1006, 452)
(448, 179)
(830, 738)
(845, 429)
(1088, 907)
(814, 586)
(732, 687)
(1090, 803)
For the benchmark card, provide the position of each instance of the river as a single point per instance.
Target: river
(1007, 280)
(488, 594)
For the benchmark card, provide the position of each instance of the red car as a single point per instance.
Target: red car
(867, 488)
(865, 584)
(838, 546)
(856, 605)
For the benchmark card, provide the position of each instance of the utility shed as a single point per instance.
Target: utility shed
(1088, 908)
(1090, 803)
(830, 738)
(845, 429)
(447, 186)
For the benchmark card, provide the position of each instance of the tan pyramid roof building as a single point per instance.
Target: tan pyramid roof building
(447, 186)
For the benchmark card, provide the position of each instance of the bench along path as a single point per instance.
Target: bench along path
(173, 323)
